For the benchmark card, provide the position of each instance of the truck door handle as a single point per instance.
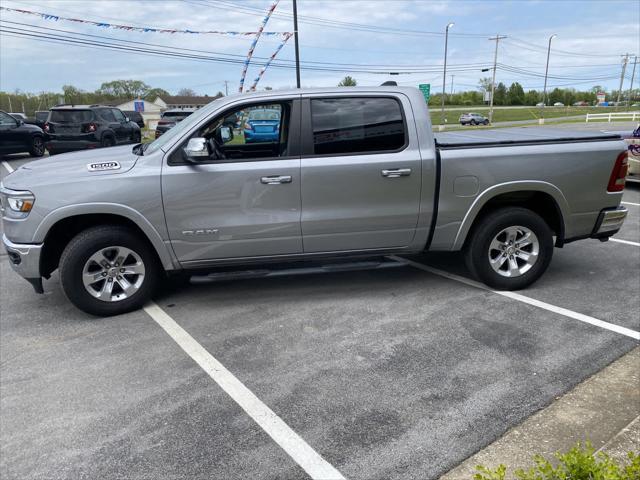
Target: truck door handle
(276, 180)
(396, 172)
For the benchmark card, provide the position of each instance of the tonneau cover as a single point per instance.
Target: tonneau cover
(517, 136)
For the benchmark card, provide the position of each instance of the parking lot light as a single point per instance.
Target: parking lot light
(546, 72)
(444, 75)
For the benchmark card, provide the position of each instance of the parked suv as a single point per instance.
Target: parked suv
(135, 117)
(78, 127)
(170, 119)
(473, 119)
(17, 136)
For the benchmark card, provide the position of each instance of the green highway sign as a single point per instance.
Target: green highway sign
(425, 88)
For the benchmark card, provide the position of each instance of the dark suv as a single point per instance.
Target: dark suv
(79, 127)
(170, 118)
(135, 117)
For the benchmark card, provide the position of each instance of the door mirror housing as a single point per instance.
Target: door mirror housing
(126, 119)
(19, 122)
(197, 149)
(225, 134)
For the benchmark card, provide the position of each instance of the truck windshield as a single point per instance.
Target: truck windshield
(181, 127)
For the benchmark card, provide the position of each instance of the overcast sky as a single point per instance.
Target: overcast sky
(591, 37)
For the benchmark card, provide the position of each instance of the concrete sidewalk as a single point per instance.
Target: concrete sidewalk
(604, 409)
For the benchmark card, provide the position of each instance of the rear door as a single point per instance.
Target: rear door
(242, 201)
(361, 173)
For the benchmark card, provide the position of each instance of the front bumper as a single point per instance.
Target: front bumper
(25, 260)
(609, 222)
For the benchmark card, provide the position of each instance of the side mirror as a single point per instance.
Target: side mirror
(197, 149)
(19, 122)
(126, 119)
(225, 134)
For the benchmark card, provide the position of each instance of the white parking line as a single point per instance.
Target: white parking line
(631, 203)
(305, 456)
(521, 298)
(7, 166)
(628, 242)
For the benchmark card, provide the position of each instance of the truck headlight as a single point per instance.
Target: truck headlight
(16, 204)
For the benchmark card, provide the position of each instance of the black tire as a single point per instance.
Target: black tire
(473, 122)
(37, 146)
(486, 122)
(76, 255)
(477, 249)
(108, 141)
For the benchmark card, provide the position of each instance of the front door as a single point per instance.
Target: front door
(11, 139)
(244, 199)
(361, 174)
(121, 127)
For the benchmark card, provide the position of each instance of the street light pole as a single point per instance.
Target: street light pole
(444, 75)
(546, 72)
(497, 38)
(295, 38)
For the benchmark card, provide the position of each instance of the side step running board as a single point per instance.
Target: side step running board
(264, 273)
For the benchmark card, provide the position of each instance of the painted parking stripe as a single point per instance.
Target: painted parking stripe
(305, 456)
(631, 203)
(628, 242)
(7, 166)
(524, 299)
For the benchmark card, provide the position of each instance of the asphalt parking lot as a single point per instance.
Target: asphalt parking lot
(396, 373)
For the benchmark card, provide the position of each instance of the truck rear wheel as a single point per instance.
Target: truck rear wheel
(108, 270)
(510, 248)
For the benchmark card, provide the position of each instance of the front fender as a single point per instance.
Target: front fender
(165, 254)
(508, 187)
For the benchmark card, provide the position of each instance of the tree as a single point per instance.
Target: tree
(485, 84)
(515, 95)
(124, 88)
(347, 82)
(154, 93)
(186, 92)
(500, 95)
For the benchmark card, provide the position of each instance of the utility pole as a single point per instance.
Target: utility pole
(544, 92)
(444, 74)
(452, 75)
(624, 69)
(295, 37)
(497, 38)
(633, 76)
(226, 88)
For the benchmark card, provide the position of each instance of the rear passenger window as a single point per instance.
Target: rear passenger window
(356, 125)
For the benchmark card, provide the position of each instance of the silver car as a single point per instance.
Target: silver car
(473, 119)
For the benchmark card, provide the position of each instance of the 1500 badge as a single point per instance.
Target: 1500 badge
(98, 167)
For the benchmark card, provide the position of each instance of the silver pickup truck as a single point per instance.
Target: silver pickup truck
(303, 176)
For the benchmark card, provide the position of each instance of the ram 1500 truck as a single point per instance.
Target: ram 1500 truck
(352, 172)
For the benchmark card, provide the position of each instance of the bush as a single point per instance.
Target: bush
(579, 463)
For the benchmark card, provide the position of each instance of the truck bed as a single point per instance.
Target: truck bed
(517, 136)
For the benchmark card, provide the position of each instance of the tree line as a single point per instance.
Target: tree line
(109, 92)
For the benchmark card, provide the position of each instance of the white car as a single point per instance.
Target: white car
(558, 104)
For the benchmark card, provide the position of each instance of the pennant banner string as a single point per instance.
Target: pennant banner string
(266, 65)
(255, 42)
(131, 28)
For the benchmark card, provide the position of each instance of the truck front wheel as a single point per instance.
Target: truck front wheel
(510, 248)
(108, 270)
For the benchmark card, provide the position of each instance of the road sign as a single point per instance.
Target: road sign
(425, 88)
(138, 105)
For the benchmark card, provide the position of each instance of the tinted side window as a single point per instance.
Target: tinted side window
(118, 114)
(107, 115)
(356, 125)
